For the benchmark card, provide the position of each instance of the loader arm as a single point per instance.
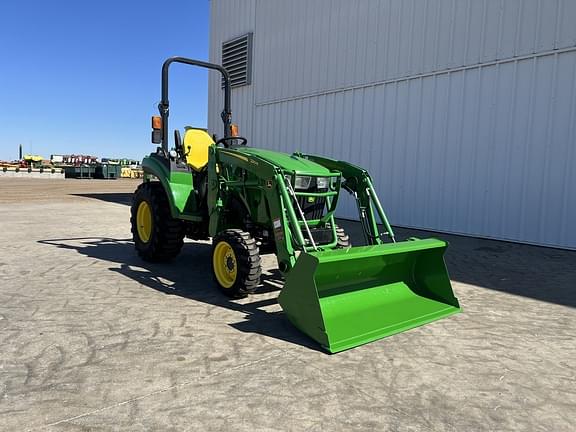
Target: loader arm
(266, 178)
(359, 184)
(345, 298)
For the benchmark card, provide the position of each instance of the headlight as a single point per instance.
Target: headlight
(322, 182)
(302, 182)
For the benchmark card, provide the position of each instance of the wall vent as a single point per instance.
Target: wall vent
(237, 60)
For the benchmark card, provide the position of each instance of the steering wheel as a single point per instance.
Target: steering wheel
(224, 141)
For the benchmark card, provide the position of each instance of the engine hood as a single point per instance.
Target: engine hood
(287, 162)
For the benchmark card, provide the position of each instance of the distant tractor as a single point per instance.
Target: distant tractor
(250, 200)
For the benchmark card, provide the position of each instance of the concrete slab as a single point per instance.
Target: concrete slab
(264, 395)
(95, 339)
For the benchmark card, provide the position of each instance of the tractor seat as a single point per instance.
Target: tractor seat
(196, 144)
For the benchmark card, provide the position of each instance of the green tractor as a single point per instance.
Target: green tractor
(252, 201)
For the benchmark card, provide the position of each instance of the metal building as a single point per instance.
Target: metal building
(464, 111)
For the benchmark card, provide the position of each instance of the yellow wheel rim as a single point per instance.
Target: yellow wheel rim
(144, 221)
(224, 263)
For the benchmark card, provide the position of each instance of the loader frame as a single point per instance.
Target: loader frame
(294, 232)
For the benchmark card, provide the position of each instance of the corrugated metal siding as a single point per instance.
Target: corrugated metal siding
(230, 19)
(463, 111)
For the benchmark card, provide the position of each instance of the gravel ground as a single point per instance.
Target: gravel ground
(92, 338)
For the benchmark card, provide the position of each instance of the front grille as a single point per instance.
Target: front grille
(321, 235)
(312, 207)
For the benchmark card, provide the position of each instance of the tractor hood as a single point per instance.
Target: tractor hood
(287, 162)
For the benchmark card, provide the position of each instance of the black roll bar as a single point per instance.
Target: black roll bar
(164, 105)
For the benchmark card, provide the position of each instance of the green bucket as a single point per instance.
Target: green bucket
(348, 297)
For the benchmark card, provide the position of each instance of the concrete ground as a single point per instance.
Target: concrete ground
(92, 338)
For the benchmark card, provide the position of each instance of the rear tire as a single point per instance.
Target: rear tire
(343, 238)
(158, 237)
(236, 263)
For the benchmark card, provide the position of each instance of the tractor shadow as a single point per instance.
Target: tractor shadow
(182, 278)
(111, 197)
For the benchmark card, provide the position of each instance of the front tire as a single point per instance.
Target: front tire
(343, 238)
(236, 263)
(157, 235)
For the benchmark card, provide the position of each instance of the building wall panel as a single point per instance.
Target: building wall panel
(464, 111)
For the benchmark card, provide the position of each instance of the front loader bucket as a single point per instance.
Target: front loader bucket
(348, 297)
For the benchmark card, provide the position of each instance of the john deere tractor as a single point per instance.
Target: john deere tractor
(251, 201)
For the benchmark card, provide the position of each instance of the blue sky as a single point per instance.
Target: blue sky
(84, 76)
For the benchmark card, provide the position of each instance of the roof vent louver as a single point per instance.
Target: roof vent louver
(237, 60)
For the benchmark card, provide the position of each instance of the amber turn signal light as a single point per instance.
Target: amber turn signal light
(156, 122)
